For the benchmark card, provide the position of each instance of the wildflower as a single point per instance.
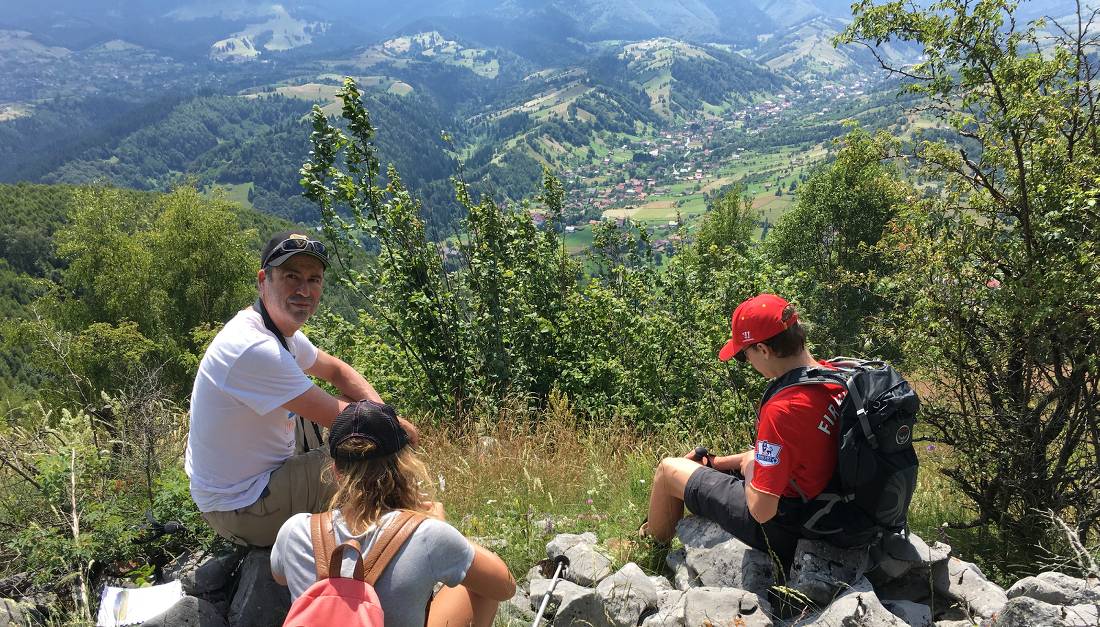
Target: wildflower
(442, 483)
(588, 501)
(641, 480)
(930, 448)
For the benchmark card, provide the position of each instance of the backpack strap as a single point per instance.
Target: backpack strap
(854, 396)
(802, 376)
(324, 541)
(392, 539)
(801, 494)
(336, 558)
(269, 324)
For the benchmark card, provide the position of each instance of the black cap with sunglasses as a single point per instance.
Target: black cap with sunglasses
(284, 245)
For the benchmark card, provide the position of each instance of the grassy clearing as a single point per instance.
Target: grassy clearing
(578, 241)
(516, 483)
(399, 88)
(233, 192)
(515, 486)
(772, 206)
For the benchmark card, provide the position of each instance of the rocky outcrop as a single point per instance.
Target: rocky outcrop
(626, 595)
(259, 601)
(822, 571)
(714, 579)
(234, 589)
(19, 614)
(857, 606)
(587, 565)
(189, 612)
(1056, 589)
(725, 606)
(966, 584)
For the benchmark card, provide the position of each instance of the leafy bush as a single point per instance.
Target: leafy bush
(1000, 271)
(74, 489)
(500, 310)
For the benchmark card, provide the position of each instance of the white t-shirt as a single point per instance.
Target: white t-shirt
(240, 432)
(435, 552)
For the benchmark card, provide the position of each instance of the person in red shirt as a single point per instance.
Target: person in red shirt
(795, 451)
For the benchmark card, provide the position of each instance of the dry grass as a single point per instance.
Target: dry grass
(515, 481)
(517, 478)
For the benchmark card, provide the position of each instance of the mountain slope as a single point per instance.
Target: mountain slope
(806, 51)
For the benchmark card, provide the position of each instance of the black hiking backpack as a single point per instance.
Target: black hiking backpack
(876, 469)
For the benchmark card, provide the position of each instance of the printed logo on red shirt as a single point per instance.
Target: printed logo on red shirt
(767, 454)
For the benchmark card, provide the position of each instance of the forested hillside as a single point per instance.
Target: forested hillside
(258, 142)
(552, 263)
(31, 267)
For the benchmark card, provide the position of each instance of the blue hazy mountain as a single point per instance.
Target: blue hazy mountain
(540, 30)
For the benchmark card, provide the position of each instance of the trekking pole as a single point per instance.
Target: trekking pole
(562, 563)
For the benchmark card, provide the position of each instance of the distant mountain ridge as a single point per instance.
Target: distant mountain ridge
(236, 29)
(249, 29)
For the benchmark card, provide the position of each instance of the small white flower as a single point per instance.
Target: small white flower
(641, 480)
(442, 483)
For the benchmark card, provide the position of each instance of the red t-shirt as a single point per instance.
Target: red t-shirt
(796, 439)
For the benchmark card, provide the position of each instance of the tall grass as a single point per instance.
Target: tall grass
(516, 479)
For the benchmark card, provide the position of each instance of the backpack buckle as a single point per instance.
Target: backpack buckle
(861, 414)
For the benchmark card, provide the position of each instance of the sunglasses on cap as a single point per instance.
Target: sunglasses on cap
(294, 245)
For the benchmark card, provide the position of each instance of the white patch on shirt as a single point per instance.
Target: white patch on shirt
(767, 454)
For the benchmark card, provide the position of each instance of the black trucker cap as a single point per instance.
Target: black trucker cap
(376, 422)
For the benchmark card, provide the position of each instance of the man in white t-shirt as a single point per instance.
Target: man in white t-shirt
(253, 388)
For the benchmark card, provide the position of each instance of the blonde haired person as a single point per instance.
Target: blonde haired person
(377, 476)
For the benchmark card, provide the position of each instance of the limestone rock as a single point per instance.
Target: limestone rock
(731, 564)
(701, 533)
(677, 563)
(259, 602)
(670, 610)
(532, 575)
(580, 606)
(965, 583)
(898, 554)
(725, 606)
(912, 548)
(626, 595)
(821, 570)
(915, 585)
(203, 573)
(188, 612)
(1055, 588)
(16, 614)
(517, 611)
(857, 607)
(660, 583)
(1025, 612)
(587, 566)
(886, 569)
(565, 541)
(938, 552)
(913, 614)
(540, 587)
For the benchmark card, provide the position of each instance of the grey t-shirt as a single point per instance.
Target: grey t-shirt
(436, 552)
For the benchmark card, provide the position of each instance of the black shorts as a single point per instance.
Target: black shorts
(720, 497)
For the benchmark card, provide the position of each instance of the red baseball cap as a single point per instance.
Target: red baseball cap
(755, 320)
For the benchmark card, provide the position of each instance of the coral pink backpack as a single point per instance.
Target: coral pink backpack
(336, 600)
